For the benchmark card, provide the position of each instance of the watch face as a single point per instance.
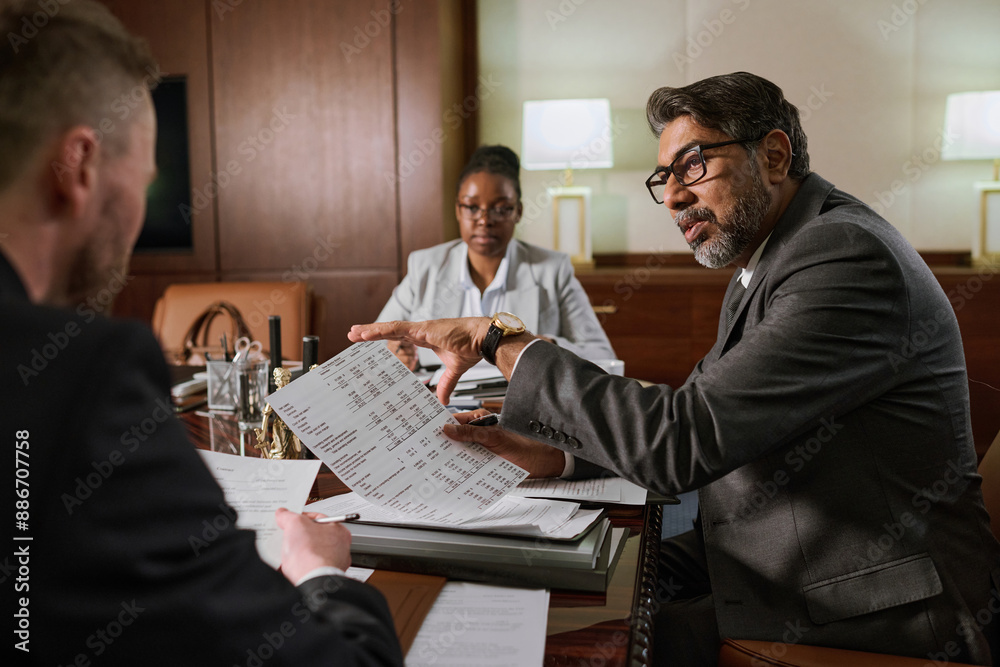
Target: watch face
(509, 321)
(511, 324)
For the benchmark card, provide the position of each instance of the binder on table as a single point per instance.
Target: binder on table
(511, 561)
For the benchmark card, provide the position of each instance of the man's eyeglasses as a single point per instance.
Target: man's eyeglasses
(496, 214)
(688, 168)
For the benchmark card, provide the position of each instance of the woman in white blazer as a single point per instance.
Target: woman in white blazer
(487, 271)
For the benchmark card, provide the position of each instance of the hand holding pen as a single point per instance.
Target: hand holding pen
(306, 545)
(338, 519)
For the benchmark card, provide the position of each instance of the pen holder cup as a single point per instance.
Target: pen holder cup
(249, 391)
(221, 380)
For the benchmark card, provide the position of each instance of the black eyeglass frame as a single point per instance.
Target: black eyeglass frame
(669, 169)
(495, 214)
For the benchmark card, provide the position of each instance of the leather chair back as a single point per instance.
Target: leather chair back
(182, 303)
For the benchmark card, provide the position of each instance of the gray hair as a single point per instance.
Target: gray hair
(741, 105)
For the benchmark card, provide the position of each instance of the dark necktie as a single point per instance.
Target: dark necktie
(733, 304)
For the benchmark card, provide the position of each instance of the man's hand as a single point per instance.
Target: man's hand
(457, 341)
(537, 458)
(407, 353)
(307, 545)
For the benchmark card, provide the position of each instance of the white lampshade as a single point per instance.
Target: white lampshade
(567, 134)
(972, 126)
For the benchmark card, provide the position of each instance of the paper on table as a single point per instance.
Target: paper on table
(428, 357)
(633, 494)
(256, 488)
(379, 429)
(475, 625)
(602, 489)
(484, 370)
(358, 573)
(528, 517)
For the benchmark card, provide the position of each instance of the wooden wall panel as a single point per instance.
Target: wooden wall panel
(177, 33)
(664, 320)
(316, 195)
(420, 127)
(304, 114)
(459, 69)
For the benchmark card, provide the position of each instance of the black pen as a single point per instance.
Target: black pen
(274, 326)
(486, 420)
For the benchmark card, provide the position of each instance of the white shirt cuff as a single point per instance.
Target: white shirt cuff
(570, 466)
(324, 571)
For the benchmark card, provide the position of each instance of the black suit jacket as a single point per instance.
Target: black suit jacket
(120, 506)
(828, 434)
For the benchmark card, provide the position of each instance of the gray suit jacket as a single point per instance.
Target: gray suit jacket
(541, 290)
(828, 432)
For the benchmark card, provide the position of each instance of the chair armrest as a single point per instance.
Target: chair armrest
(746, 652)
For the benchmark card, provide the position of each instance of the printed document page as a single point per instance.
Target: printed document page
(379, 429)
(601, 489)
(484, 370)
(526, 517)
(475, 625)
(256, 488)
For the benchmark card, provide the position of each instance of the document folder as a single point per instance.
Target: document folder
(533, 564)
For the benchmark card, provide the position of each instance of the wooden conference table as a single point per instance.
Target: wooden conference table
(583, 628)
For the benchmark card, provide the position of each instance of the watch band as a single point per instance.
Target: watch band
(502, 324)
(491, 342)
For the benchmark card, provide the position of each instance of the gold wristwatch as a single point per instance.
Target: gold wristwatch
(502, 324)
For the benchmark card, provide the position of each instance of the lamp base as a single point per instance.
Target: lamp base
(986, 240)
(571, 224)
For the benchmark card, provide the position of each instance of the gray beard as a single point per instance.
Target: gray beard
(739, 228)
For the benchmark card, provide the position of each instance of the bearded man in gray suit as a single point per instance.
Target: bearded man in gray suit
(837, 386)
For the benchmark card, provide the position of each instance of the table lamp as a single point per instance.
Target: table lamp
(568, 135)
(972, 132)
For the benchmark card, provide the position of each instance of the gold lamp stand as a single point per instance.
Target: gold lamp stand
(986, 244)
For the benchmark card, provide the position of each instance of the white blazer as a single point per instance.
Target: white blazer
(541, 290)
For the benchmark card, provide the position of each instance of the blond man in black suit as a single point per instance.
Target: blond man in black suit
(133, 556)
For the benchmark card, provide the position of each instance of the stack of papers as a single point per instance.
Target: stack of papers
(524, 517)
(599, 490)
(585, 564)
(483, 381)
(379, 429)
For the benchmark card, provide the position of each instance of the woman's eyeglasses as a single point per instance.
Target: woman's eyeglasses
(496, 214)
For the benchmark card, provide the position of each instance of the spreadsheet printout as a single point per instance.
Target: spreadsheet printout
(378, 428)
